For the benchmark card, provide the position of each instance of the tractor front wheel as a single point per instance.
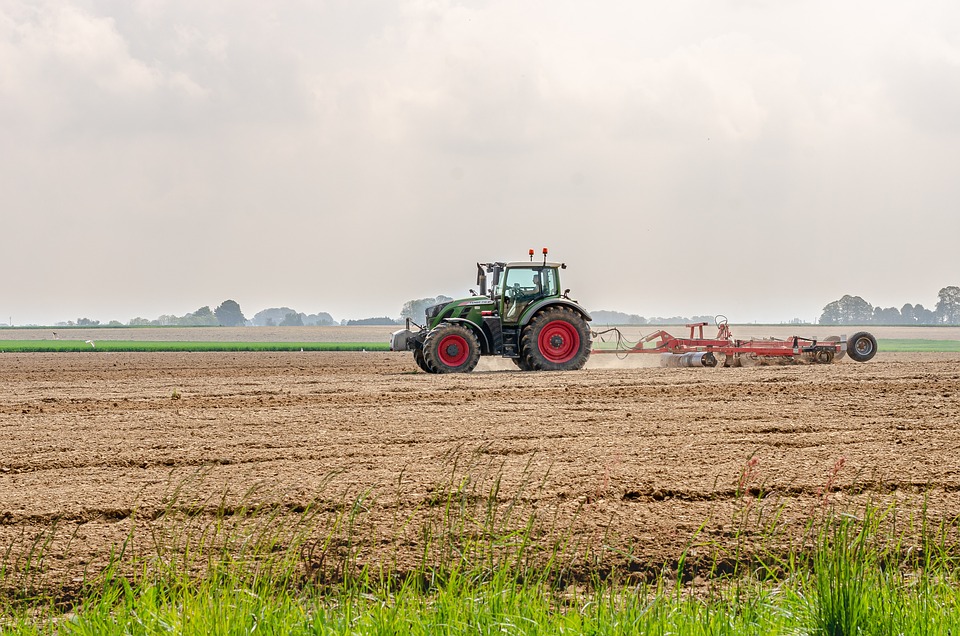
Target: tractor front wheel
(451, 348)
(557, 339)
(521, 362)
(418, 358)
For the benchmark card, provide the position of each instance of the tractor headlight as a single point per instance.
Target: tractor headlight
(433, 311)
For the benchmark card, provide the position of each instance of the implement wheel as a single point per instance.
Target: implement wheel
(557, 339)
(861, 346)
(451, 348)
(823, 356)
(839, 354)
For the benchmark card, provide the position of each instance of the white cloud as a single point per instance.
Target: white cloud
(441, 130)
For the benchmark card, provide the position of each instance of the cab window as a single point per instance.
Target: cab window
(523, 285)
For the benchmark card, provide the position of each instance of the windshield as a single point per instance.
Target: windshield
(537, 281)
(522, 285)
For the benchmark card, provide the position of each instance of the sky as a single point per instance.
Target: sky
(749, 158)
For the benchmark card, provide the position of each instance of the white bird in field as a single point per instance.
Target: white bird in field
(91, 343)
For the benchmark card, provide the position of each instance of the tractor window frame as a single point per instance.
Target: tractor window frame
(522, 286)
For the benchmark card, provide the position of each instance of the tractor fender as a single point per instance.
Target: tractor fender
(477, 331)
(550, 302)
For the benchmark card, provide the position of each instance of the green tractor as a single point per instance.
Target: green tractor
(521, 315)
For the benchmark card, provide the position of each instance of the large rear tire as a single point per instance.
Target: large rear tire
(861, 346)
(451, 348)
(557, 339)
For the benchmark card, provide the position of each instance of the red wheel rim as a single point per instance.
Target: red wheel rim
(559, 341)
(453, 350)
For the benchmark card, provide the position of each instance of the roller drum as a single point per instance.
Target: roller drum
(694, 359)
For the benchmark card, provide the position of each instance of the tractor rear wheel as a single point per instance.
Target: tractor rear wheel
(451, 348)
(861, 346)
(418, 358)
(557, 339)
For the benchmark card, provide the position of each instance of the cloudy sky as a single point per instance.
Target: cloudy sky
(757, 159)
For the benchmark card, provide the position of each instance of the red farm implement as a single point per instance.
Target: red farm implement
(725, 350)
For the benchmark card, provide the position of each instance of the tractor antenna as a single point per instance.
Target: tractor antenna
(531, 254)
(544, 256)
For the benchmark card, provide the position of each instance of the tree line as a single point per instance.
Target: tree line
(849, 310)
(854, 310)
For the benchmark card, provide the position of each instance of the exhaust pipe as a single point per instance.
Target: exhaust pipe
(695, 359)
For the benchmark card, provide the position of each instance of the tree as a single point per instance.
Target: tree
(199, 318)
(948, 307)
(414, 309)
(605, 317)
(229, 314)
(381, 320)
(924, 316)
(849, 310)
(888, 316)
(293, 319)
(321, 319)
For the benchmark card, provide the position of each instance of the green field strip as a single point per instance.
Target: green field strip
(908, 345)
(64, 346)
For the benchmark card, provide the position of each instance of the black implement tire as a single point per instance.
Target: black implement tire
(451, 348)
(861, 346)
(839, 354)
(418, 358)
(823, 356)
(557, 339)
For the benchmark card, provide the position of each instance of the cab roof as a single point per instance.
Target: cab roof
(529, 264)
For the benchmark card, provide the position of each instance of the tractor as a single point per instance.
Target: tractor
(519, 313)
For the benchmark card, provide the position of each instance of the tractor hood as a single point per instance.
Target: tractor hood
(461, 308)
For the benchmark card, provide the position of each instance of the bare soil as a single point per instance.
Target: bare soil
(639, 465)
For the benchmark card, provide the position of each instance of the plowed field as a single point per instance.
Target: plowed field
(638, 464)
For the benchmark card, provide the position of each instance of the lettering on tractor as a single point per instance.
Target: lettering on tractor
(519, 313)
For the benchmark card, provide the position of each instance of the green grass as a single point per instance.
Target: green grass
(855, 581)
(38, 346)
(481, 569)
(919, 346)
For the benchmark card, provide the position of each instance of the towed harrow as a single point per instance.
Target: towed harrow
(727, 351)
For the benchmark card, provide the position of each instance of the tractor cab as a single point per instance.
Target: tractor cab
(521, 285)
(514, 287)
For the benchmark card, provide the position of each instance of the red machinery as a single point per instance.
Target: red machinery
(697, 351)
